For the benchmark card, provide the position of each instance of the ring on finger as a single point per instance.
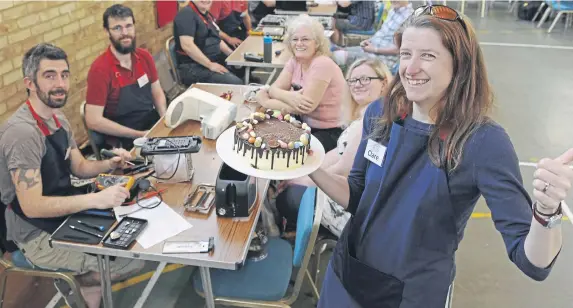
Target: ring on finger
(546, 187)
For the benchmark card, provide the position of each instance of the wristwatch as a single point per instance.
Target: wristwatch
(549, 221)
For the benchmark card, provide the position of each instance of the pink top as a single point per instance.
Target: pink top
(328, 112)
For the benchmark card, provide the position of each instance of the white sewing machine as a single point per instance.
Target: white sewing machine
(214, 112)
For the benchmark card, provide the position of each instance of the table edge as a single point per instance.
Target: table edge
(169, 258)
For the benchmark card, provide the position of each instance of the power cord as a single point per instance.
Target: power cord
(144, 185)
(176, 166)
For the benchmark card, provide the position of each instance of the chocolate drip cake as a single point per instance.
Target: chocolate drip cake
(271, 141)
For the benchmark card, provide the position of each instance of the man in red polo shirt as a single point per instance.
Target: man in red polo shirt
(233, 19)
(124, 96)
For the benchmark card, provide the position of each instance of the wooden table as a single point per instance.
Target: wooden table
(325, 21)
(320, 10)
(323, 10)
(254, 44)
(232, 237)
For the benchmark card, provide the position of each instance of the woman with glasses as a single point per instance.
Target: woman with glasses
(420, 168)
(367, 80)
(319, 101)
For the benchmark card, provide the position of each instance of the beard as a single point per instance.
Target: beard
(48, 101)
(123, 49)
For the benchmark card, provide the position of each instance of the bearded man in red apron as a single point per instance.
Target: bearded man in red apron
(124, 97)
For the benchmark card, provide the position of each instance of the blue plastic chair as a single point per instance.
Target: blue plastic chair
(21, 265)
(375, 25)
(264, 283)
(562, 7)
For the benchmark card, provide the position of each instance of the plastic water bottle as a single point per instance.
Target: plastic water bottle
(268, 49)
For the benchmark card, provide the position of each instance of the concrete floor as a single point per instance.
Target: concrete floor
(534, 102)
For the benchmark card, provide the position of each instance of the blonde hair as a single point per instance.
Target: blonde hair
(305, 21)
(381, 71)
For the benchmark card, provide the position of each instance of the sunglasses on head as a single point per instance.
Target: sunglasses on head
(441, 12)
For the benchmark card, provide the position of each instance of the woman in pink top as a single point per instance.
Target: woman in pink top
(323, 85)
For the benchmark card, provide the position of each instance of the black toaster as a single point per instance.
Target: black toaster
(235, 193)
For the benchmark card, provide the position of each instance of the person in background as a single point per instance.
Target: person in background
(233, 20)
(259, 9)
(199, 49)
(368, 80)
(361, 17)
(38, 155)
(421, 166)
(381, 45)
(323, 85)
(124, 97)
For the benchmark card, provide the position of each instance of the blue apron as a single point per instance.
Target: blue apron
(398, 250)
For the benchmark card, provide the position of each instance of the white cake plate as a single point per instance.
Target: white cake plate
(238, 162)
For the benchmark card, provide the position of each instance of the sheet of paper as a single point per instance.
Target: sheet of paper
(162, 222)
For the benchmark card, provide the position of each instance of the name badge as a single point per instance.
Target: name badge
(375, 152)
(143, 80)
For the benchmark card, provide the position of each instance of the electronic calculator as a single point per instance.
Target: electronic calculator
(124, 233)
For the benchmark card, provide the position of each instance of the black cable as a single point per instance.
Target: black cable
(176, 167)
(145, 185)
(149, 207)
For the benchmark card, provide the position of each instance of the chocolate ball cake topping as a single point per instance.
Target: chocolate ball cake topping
(270, 131)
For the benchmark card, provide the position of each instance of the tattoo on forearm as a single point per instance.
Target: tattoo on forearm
(27, 177)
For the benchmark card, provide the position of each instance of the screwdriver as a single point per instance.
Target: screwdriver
(85, 231)
(110, 154)
(87, 224)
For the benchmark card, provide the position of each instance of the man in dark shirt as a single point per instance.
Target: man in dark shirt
(233, 20)
(201, 53)
(361, 17)
(259, 9)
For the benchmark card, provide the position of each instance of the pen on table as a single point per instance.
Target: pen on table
(110, 154)
(103, 213)
(85, 231)
(87, 224)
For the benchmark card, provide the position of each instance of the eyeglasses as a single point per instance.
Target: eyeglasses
(441, 12)
(119, 28)
(363, 80)
(303, 40)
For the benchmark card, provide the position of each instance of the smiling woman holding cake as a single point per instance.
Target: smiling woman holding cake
(323, 85)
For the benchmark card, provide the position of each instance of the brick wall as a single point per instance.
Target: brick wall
(75, 26)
